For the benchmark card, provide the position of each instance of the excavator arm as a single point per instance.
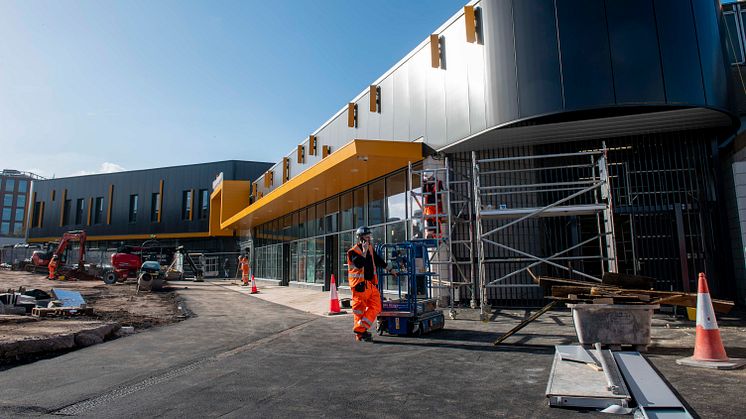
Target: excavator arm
(76, 235)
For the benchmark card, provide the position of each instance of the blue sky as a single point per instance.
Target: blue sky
(92, 86)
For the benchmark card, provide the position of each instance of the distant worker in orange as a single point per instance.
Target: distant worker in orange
(244, 265)
(432, 206)
(52, 267)
(362, 261)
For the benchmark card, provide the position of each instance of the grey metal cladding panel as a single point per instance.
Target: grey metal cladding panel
(586, 63)
(435, 108)
(386, 127)
(537, 57)
(373, 130)
(419, 65)
(714, 65)
(402, 114)
(635, 55)
(476, 87)
(363, 107)
(456, 83)
(502, 86)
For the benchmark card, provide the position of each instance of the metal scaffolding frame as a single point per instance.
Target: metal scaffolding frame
(588, 195)
(450, 205)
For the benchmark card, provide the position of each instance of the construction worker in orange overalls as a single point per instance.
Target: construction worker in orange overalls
(244, 265)
(362, 261)
(52, 267)
(430, 194)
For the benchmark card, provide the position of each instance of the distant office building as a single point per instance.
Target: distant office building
(14, 188)
(169, 204)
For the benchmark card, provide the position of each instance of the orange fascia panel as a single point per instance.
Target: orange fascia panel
(471, 24)
(130, 237)
(355, 163)
(230, 197)
(435, 51)
(352, 115)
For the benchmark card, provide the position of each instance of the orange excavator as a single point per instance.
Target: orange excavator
(41, 259)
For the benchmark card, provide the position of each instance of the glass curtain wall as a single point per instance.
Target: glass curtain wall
(381, 204)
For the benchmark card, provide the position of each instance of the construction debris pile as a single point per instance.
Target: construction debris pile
(39, 303)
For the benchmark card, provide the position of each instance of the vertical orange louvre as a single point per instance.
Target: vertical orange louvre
(41, 214)
(160, 204)
(312, 146)
(326, 150)
(301, 154)
(352, 115)
(471, 24)
(191, 207)
(90, 204)
(435, 51)
(285, 169)
(111, 200)
(62, 206)
(33, 210)
(373, 95)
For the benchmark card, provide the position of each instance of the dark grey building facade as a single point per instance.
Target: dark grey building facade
(170, 203)
(14, 192)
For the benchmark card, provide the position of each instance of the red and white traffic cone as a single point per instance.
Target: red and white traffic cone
(334, 307)
(253, 285)
(709, 351)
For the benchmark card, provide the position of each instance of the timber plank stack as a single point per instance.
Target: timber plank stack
(61, 311)
(621, 289)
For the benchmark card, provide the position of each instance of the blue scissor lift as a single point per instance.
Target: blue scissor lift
(413, 310)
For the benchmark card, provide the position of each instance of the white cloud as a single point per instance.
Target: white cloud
(106, 167)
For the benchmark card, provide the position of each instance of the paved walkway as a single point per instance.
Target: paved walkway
(244, 356)
(307, 300)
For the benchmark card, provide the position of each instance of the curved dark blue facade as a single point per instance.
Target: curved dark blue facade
(553, 56)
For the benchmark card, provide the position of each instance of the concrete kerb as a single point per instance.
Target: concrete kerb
(13, 350)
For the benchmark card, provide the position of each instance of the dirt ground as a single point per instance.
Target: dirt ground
(113, 306)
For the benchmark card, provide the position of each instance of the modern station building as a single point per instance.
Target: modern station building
(14, 190)
(515, 106)
(169, 204)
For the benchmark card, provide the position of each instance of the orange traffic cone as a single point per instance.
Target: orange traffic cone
(253, 285)
(334, 299)
(708, 346)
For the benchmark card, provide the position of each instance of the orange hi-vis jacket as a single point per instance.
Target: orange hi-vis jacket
(357, 275)
(245, 266)
(52, 268)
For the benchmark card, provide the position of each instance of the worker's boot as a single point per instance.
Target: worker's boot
(367, 336)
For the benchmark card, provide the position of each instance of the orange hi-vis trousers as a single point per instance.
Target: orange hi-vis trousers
(365, 307)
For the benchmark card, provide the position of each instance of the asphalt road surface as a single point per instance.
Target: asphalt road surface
(244, 357)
